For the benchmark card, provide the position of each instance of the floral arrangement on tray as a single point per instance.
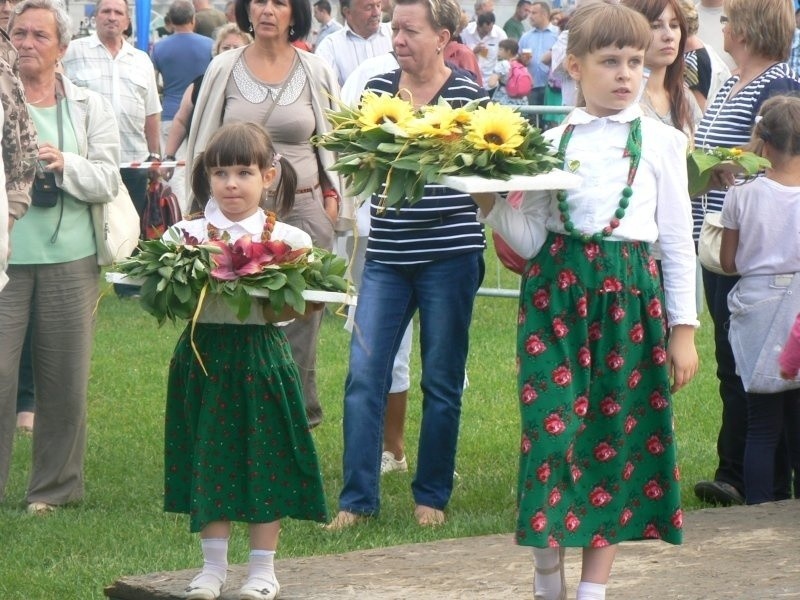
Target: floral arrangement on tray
(386, 141)
(702, 161)
(178, 272)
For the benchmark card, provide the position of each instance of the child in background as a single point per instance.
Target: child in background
(595, 372)
(237, 442)
(764, 300)
(506, 55)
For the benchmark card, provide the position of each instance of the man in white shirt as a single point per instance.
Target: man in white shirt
(710, 29)
(534, 50)
(362, 37)
(327, 24)
(106, 63)
(482, 36)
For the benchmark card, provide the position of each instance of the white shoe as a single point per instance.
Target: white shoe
(258, 589)
(204, 587)
(389, 463)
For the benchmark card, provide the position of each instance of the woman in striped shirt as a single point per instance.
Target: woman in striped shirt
(428, 258)
(757, 34)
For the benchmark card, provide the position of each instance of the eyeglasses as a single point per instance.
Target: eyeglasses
(723, 20)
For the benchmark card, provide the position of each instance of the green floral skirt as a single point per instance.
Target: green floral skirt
(597, 455)
(237, 445)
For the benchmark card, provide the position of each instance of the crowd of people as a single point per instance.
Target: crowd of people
(609, 297)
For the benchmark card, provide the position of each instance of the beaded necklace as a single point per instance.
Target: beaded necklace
(266, 233)
(633, 149)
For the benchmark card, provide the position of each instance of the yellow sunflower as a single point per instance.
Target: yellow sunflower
(496, 128)
(377, 109)
(439, 120)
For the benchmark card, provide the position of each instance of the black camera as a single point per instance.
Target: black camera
(45, 192)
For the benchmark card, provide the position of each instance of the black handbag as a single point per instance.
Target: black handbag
(45, 192)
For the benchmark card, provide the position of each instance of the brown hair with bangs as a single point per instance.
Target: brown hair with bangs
(596, 25)
(779, 126)
(242, 144)
(673, 79)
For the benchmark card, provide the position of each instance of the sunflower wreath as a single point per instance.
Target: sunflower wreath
(386, 142)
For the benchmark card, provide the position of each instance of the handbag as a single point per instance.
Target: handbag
(710, 243)
(116, 227)
(162, 210)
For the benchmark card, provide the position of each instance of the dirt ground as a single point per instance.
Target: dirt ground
(738, 553)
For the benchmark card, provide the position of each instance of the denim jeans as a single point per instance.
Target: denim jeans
(443, 291)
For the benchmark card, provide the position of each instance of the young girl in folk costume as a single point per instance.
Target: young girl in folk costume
(237, 442)
(763, 303)
(597, 463)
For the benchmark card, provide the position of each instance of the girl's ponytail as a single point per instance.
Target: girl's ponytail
(201, 188)
(287, 184)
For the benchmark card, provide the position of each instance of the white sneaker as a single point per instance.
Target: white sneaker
(389, 463)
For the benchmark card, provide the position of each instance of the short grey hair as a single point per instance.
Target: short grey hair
(181, 12)
(63, 22)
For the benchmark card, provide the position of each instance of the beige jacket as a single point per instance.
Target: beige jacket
(210, 106)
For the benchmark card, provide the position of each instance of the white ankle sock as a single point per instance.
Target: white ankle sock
(261, 567)
(546, 586)
(215, 559)
(591, 591)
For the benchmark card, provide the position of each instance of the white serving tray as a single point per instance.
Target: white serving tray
(309, 295)
(556, 179)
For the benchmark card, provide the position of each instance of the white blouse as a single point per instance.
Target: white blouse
(659, 208)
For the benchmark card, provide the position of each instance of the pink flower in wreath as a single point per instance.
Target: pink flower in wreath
(636, 333)
(598, 541)
(581, 406)
(554, 497)
(653, 490)
(246, 257)
(543, 472)
(654, 445)
(561, 376)
(538, 522)
(571, 522)
(604, 452)
(560, 328)
(625, 516)
(599, 497)
(529, 394)
(554, 425)
(534, 345)
(614, 360)
(541, 299)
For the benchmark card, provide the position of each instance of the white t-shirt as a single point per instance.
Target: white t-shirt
(767, 215)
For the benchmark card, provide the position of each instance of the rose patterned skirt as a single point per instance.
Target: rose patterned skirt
(236, 441)
(597, 455)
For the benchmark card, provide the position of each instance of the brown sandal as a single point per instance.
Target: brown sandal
(343, 520)
(427, 516)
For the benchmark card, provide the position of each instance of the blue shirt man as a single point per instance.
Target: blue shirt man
(534, 50)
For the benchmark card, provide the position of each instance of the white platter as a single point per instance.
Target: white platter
(309, 295)
(554, 180)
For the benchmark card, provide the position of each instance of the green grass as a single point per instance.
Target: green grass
(120, 529)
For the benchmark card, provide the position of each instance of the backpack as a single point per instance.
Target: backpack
(519, 83)
(162, 210)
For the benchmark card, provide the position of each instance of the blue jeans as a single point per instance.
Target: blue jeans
(443, 291)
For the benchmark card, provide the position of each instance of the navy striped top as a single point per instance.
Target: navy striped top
(444, 222)
(728, 122)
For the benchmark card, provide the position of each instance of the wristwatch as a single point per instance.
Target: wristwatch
(154, 157)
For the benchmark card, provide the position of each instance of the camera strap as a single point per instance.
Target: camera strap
(60, 125)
